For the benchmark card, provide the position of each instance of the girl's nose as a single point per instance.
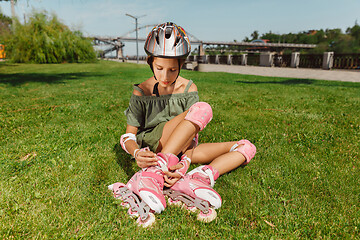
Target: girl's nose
(166, 75)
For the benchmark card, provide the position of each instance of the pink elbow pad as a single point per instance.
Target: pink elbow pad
(200, 114)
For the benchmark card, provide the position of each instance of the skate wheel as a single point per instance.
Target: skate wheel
(191, 209)
(133, 214)
(210, 216)
(172, 202)
(118, 197)
(125, 205)
(115, 188)
(147, 222)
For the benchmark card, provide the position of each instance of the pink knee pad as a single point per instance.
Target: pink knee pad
(247, 149)
(200, 114)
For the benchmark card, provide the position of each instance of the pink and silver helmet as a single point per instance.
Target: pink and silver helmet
(168, 40)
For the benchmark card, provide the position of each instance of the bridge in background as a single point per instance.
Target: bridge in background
(116, 43)
(265, 54)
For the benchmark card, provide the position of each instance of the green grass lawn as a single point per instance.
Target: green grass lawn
(59, 131)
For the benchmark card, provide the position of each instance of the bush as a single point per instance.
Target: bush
(44, 39)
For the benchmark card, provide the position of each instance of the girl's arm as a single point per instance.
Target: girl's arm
(144, 157)
(130, 144)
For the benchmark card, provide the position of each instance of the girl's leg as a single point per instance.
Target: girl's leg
(217, 155)
(199, 182)
(179, 132)
(177, 135)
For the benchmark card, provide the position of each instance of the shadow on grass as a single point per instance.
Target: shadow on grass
(6, 64)
(291, 81)
(306, 81)
(124, 161)
(17, 79)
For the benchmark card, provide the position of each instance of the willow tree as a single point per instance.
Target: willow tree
(44, 39)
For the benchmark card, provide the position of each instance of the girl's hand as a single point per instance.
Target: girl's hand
(171, 177)
(145, 158)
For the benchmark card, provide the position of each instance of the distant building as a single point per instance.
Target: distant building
(312, 32)
(260, 41)
(259, 48)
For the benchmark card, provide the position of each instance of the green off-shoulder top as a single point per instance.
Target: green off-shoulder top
(147, 112)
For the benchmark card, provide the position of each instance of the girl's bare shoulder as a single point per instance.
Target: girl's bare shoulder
(193, 88)
(146, 86)
(183, 83)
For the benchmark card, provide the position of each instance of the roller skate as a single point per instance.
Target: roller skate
(142, 195)
(195, 191)
(136, 206)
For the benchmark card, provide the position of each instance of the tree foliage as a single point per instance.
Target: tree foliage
(327, 40)
(5, 27)
(44, 39)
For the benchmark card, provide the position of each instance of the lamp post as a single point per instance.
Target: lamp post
(136, 28)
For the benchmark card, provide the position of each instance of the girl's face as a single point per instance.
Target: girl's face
(166, 70)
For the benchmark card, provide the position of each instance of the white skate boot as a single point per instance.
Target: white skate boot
(196, 192)
(143, 193)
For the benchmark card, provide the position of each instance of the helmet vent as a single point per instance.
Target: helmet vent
(168, 32)
(177, 40)
(157, 39)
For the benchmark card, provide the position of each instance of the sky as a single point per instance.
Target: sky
(211, 20)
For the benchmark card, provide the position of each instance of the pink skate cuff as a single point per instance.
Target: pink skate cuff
(214, 172)
(185, 161)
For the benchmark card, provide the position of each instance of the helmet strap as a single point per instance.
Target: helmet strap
(152, 69)
(178, 72)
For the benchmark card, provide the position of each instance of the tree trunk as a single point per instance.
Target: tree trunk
(13, 12)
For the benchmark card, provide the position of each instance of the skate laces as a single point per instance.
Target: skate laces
(209, 173)
(154, 169)
(162, 165)
(166, 160)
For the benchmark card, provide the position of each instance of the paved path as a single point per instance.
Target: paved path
(336, 75)
(303, 73)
